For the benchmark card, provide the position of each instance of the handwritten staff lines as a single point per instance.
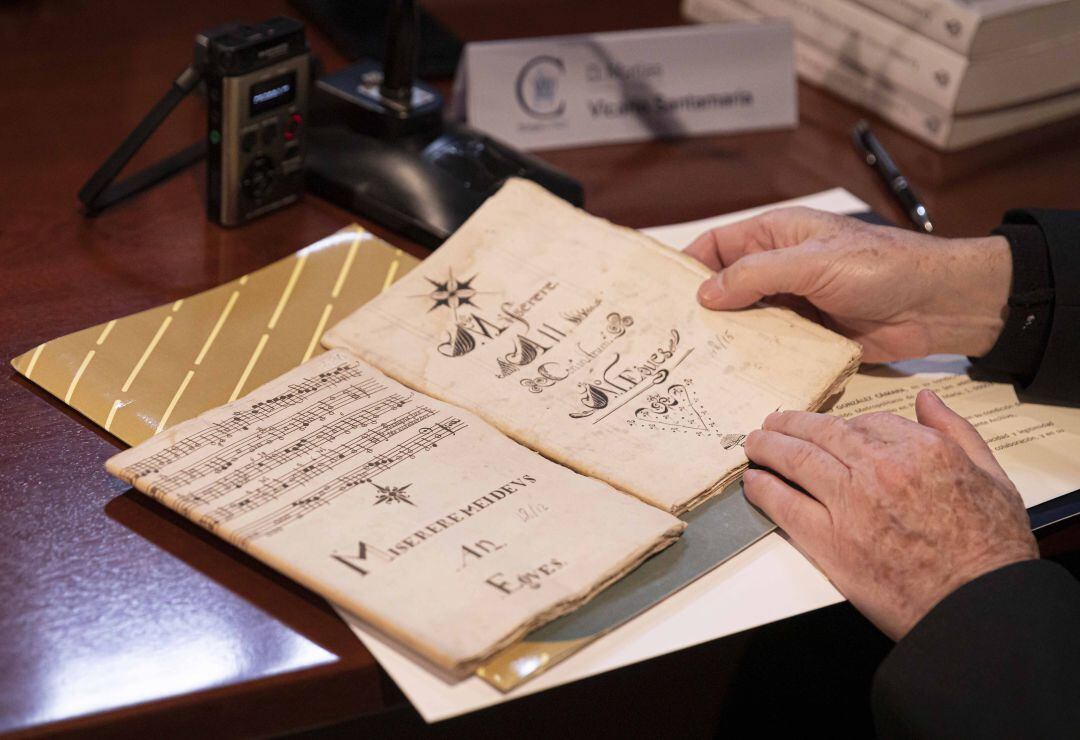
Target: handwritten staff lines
(322, 462)
(274, 521)
(220, 431)
(260, 436)
(266, 461)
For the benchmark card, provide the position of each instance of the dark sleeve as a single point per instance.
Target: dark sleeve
(999, 657)
(1039, 347)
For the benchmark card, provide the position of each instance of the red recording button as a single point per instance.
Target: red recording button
(292, 126)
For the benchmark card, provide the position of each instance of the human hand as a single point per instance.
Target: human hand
(899, 514)
(898, 293)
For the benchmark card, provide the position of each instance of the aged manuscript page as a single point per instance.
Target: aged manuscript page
(585, 341)
(418, 517)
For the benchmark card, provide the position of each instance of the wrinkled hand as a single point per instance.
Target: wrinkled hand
(898, 293)
(899, 514)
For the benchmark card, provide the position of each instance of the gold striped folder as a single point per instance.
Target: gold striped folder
(139, 374)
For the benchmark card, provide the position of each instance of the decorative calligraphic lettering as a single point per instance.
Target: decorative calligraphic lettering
(359, 562)
(477, 551)
(628, 379)
(550, 373)
(527, 342)
(532, 578)
(460, 515)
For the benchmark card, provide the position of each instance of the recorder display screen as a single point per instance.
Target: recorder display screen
(272, 93)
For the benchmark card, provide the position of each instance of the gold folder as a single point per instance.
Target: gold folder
(142, 373)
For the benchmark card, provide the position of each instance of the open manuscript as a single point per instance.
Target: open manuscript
(398, 476)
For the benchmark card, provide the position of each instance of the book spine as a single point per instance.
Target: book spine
(950, 24)
(870, 42)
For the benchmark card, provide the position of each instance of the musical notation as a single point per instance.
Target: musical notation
(273, 460)
(265, 461)
(311, 458)
(275, 521)
(245, 419)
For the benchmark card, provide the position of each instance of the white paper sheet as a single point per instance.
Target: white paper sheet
(767, 582)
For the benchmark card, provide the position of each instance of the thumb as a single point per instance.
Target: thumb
(932, 412)
(746, 281)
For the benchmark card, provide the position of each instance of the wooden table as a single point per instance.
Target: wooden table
(118, 616)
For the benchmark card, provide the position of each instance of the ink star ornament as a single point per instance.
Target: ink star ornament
(452, 292)
(392, 495)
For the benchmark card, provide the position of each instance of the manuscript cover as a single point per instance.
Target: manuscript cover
(401, 509)
(584, 341)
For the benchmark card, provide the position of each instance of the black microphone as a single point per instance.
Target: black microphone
(402, 52)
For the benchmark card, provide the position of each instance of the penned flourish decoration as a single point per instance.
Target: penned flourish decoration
(680, 409)
(674, 408)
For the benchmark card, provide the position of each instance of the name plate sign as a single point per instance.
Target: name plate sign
(609, 87)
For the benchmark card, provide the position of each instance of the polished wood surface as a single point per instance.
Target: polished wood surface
(118, 616)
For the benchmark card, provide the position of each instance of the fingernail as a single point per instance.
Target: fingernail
(934, 396)
(750, 474)
(770, 419)
(710, 290)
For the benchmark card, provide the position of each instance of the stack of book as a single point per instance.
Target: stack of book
(951, 72)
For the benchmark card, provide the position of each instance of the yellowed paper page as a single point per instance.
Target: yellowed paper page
(585, 341)
(420, 518)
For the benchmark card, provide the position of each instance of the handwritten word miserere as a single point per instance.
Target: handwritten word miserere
(530, 340)
(359, 562)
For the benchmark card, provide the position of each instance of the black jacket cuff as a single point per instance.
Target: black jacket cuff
(998, 657)
(1056, 379)
(1016, 355)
